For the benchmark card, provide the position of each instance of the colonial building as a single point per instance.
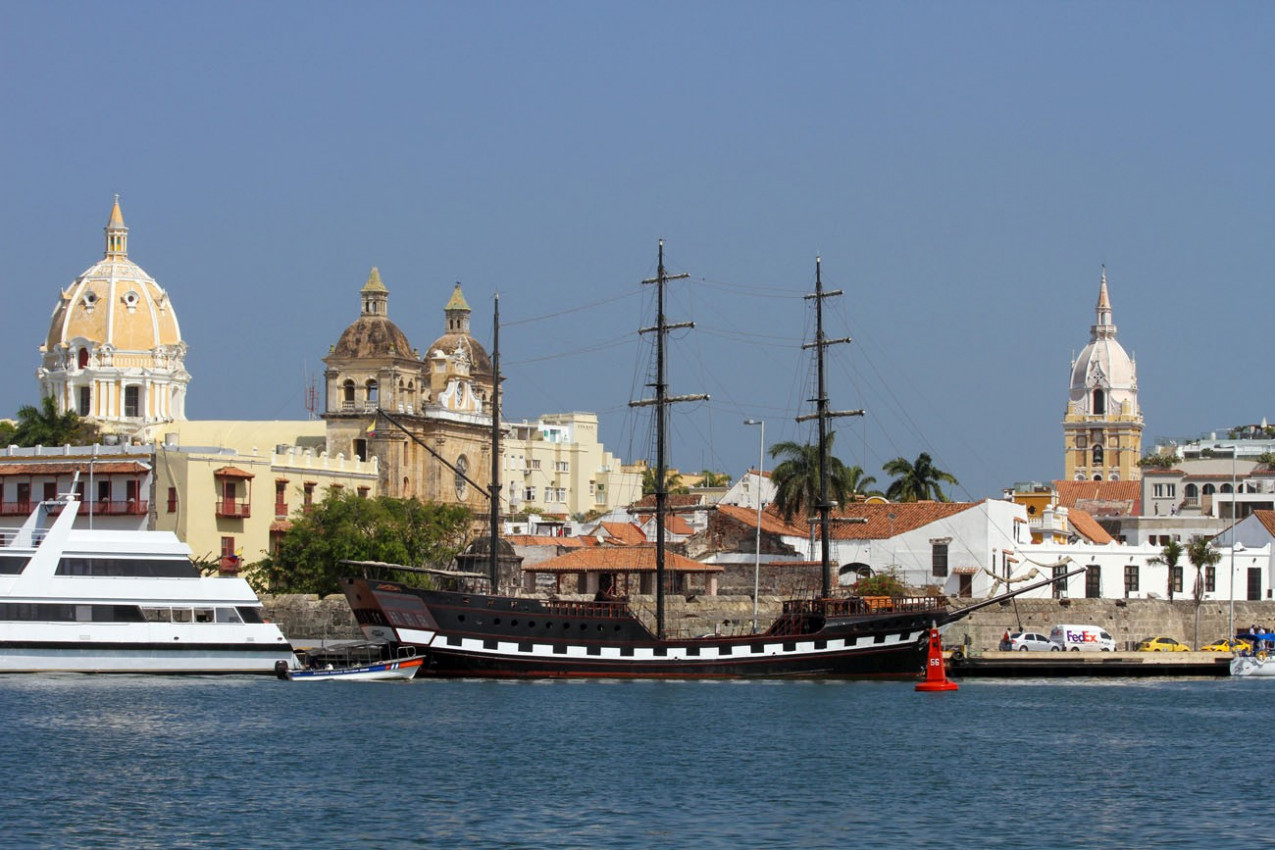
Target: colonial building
(1102, 427)
(114, 352)
(557, 465)
(439, 403)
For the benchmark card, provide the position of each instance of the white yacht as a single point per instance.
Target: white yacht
(92, 601)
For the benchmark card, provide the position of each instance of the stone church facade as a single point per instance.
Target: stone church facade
(435, 442)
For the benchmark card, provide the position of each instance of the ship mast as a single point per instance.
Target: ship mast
(823, 414)
(494, 492)
(661, 403)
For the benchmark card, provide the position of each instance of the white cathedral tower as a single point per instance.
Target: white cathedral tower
(1102, 428)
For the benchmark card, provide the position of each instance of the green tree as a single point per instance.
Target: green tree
(1169, 557)
(44, 426)
(915, 482)
(672, 482)
(881, 584)
(714, 479)
(345, 526)
(1201, 553)
(796, 478)
(7, 430)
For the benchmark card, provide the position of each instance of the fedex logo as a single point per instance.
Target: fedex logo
(1081, 637)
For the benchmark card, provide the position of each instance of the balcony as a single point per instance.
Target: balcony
(234, 509)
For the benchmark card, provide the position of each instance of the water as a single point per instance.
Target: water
(142, 762)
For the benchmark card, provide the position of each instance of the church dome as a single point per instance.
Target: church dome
(373, 334)
(1104, 366)
(458, 339)
(115, 303)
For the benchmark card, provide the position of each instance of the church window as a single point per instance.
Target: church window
(1099, 402)
(133, 401)
(86, 400)
(347, 392)
(83, 358)
(360, 449)
(372, 392)
(462, 484)
(1097, 455)
(1097, 478)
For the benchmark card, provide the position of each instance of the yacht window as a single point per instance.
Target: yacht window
(127, 568)
(12, 565)
(203, 615)
(181, 615)
(158, 615)
(228, 615)
(250, 615)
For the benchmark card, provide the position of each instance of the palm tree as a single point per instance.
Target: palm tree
(44, 426)
(714, 479)
(914, 482)
(1169, 557)
(796, 478)
(672, 482)
(1201, 554)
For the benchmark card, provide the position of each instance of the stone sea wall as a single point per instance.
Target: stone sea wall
(305, 618)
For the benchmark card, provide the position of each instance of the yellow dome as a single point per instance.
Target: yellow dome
(115, 303)
(114, 351)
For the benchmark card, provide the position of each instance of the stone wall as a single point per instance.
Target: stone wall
(305, 618)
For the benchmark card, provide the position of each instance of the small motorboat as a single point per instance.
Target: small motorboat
(361, 662)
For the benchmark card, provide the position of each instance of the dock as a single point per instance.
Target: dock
(1052, 665)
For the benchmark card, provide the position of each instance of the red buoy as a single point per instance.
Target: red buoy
(935, 670)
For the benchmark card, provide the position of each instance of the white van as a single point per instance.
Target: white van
(1076, 638)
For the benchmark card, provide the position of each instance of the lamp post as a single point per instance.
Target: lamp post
(1234, 503)
(761, 459)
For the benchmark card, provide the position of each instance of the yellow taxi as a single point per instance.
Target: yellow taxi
(1224, 645)
(1162, 644)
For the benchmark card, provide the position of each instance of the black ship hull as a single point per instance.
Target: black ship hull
(477, 635)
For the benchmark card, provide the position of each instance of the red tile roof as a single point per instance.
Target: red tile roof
(675, 500)
(871, 520)
(544, 540)
(1101, 498)
(622, 532)
(107, 467)
(1083, 523)
(629, 559)
(771, 522)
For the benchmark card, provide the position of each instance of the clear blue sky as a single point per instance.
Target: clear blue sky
(964, 169)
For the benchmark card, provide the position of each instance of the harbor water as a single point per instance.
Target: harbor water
(235, 762)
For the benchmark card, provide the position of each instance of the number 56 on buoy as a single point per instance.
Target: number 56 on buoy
(935, 670)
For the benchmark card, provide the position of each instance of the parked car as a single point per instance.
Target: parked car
(1224, 646)
(1162, 644)
(1028, 642)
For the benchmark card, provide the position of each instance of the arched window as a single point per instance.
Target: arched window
(1226, 488)
(1209, 490)
(372, 392)
(84, 358)
(1099, 402)
(1097, 455)
(1192, 492)
(347, 392)
(1097, 478)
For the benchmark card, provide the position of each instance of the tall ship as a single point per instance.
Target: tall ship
(487, 634)
(109, 601)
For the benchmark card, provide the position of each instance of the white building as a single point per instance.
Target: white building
(557, 465)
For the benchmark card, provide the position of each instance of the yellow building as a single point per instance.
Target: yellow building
(556, 465)
(1102, 427)
(229, 488)
(114, 352)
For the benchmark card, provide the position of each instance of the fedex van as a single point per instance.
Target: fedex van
(1076, 638)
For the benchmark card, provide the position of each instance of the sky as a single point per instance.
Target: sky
(963, 170)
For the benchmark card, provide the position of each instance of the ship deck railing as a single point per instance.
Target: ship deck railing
(858, 605)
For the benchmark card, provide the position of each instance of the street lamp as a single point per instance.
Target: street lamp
(761, 459)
